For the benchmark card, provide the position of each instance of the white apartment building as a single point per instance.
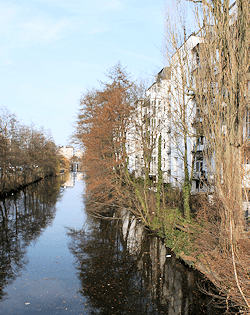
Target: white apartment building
(158, 96)
(79, 153)
(151, 119)
(184, 116)
(169, 109)
(68, 152)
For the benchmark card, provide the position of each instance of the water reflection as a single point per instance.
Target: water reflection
(125, 270)
(72, 178)
(108, 273)
(23, 218)
(121, 268)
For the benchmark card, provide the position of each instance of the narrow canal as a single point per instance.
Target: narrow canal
(56, 259)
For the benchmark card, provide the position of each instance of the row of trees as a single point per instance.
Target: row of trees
(217, 88)
(102, 124)
(26, 153)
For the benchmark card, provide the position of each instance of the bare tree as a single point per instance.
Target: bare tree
(185, 132)
(102, 123)
(222, 95)
(148, 147)
(26, 153)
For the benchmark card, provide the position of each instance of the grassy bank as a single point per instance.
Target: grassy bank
(203, 244)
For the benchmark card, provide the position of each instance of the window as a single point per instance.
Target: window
(199, 166)
(198, 59)
(199, 185)
(201, 140)
(198, 113)
(175, 164)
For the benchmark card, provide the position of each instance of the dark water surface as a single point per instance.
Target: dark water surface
(54, 259)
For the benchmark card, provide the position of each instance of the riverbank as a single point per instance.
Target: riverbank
(200, 242)
(17, 188)
(203, 244)
(56, 259)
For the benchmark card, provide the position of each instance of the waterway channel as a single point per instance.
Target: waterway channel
(57, 259)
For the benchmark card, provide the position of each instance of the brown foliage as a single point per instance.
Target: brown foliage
(227, 267)
(26, 154)
(222, 83)
(102, 123)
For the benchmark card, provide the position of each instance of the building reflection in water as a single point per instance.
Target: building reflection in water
(125, 270)
(71, 178)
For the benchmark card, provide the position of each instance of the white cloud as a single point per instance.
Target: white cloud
(46, 21)
(23, 25)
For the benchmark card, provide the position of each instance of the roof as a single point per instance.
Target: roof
(164, 74)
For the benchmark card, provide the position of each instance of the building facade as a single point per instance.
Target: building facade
(169, 110)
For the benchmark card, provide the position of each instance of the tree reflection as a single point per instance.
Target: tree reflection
(23, 218)
(108, 273)
(126, 271)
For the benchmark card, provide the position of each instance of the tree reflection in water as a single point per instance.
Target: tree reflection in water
(124, 270)
(23, 218)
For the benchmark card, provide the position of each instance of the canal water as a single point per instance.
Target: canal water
(55, 258)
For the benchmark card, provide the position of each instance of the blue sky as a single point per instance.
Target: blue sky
(52, 50)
